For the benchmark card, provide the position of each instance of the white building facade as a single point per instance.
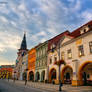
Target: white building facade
(76, 52)
(24, 66)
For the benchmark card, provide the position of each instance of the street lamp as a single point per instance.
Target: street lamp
(26, 76)
(14, 75)
(59, 62)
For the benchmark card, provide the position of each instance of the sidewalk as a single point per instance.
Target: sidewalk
(54, 88)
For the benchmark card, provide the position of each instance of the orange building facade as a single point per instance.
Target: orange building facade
(31, 64)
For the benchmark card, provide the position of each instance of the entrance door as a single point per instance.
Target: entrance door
(67, 74)
(68, 80)
(31, 76)
(43, 76)
(85, 78)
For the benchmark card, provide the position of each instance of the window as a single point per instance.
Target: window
(81, 50)
(38, 54)
(55, 58)
(50, 60)
(62, 55)
(69, 52)
(43, 51)
(90, 46)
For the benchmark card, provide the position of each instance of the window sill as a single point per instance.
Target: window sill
(81, 56)
(69, 58)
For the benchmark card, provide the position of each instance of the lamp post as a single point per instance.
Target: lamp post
(14, 75)
(26, 77)
(59, 62)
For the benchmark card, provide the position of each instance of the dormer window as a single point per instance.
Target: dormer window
(89, 26)
(84, 29)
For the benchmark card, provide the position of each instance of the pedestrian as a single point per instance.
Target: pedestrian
(60, 86)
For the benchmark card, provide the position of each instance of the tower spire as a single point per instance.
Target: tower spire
(24, 44)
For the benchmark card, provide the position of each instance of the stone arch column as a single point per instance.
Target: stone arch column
(52, 73)
(66, 74)
(81, 71)
(75, 64)
(57, 73)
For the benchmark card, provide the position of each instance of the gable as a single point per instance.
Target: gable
(65, 39)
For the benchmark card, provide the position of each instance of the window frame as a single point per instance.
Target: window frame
(63, 55)
(81, 50)
(90, 47)
(69, 51)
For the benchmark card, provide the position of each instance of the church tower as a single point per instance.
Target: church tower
(23, 48)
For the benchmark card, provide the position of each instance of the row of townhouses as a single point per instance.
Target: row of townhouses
(66, 57)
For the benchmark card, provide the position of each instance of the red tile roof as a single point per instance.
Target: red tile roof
(76, 32)
(56, 39)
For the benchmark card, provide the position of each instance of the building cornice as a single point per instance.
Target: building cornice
(74, 39)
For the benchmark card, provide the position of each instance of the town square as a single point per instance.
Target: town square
(46, 46)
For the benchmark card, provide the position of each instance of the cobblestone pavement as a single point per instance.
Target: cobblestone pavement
(42, 87)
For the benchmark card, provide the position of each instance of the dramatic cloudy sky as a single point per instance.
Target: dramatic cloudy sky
(41, 19)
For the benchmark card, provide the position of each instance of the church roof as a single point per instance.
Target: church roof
(23, 44)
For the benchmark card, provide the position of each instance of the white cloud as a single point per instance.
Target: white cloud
(43, 40)
(86, 15)
(77, 7)
(3, 19)
(22, 7)
(9, 41)
(38, 35)
(13, 23)
(4, 61)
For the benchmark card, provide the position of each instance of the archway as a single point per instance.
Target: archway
(24, 76)
(67, 74)
(85, 73)
(31, 76)
(43, 76)
(52, 75)
(37, 76)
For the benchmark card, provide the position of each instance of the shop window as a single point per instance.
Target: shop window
(62, 55)
(90, 46)
(81, 50)
(69, 52)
